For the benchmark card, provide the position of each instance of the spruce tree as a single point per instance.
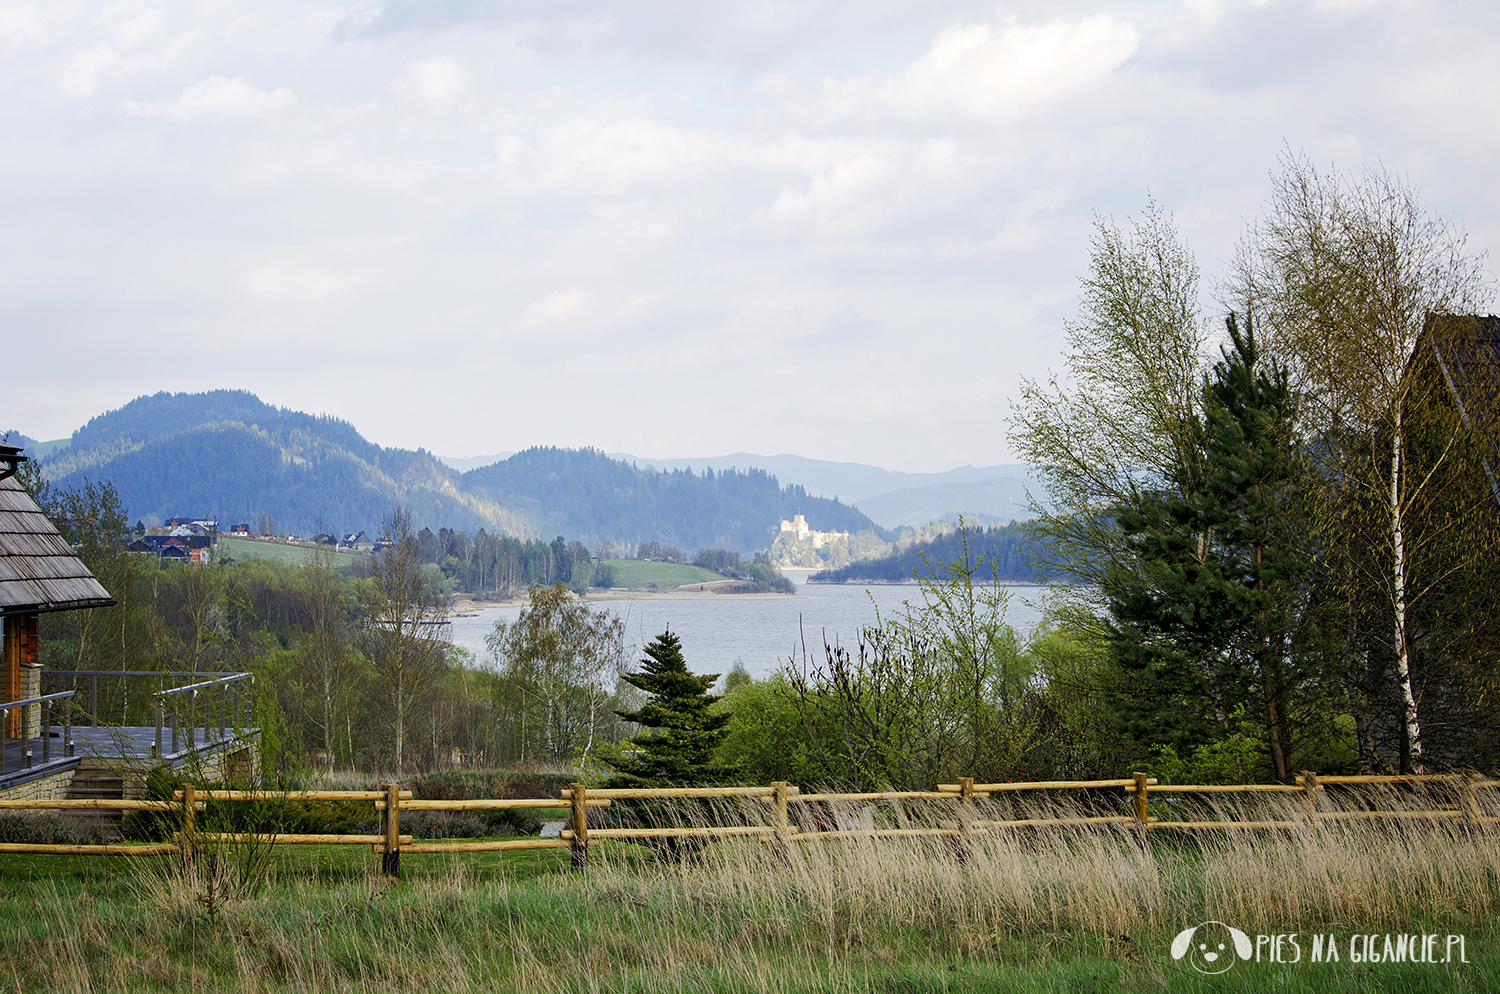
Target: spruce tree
(1215, 618)
(685, 728)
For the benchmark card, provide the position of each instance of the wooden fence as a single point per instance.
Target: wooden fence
(780, 800)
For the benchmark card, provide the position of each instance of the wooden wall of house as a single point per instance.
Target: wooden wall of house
(20, 648)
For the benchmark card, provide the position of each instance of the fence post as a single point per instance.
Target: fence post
(580, 820)
(390, 863)
(187, 839)
(46, 732)
(965, 816)
(68, 729)
(26, 734)
(1470, 798)
(1140, 802)
(1310, 796)
(783, 823)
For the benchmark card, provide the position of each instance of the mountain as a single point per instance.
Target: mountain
(33, 448)
(587, 494)
(1005, 548)
(988, 502)
(850, 481)
(229, 455)
(465, 463)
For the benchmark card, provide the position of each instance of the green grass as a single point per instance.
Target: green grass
(637, 573)
(1089, 912)
(296, 555)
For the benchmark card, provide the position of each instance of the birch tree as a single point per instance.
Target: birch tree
(405, 631)
(1343, 271)
(1120, 415)
(562, 658)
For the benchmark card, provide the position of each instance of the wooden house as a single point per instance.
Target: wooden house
(39, 572)
(1464, 351)
(52, 739)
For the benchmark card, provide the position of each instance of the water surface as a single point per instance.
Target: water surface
(761, 632)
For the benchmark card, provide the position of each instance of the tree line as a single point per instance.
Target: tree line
(1286, 516)
(1279, 520)
(1007, 547)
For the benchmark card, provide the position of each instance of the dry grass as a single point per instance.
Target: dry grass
(1035, 910)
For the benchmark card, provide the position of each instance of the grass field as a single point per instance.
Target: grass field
(1085, 911)
(637, 573)
(297, 555)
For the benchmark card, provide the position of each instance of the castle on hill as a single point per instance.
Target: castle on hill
(799, 526)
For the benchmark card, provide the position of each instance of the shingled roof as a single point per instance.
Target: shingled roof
(39, 571)
(1468, 355)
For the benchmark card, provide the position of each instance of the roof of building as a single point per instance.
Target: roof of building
(1468, 355)
(39, 571)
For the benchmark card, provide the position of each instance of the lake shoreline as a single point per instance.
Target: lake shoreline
(468, 604)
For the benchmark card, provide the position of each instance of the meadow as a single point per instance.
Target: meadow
(1021, 911)
(641, 573)
(294, 555)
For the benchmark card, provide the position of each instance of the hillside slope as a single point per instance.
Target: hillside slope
(585, 493)
(988, 501)
(229, 455)
(1006, 548)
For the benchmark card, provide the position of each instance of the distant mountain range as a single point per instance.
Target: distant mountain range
(227, 454)
(892, 499)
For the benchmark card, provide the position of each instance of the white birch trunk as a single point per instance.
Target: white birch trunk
(1398, 581)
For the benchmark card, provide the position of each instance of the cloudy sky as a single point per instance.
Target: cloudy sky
(841, 228)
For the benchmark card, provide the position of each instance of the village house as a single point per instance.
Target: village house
(359, 542)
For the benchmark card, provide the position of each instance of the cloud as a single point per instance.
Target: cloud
(281, 283)
(848, 199)
(895, 198)
(81, 75)
(20, 25)
(988, 72)
(138, 28)
(217, 98)
(436, 83)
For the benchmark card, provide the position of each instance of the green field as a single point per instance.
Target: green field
(297, 555)
(737, 917)
(637, 573)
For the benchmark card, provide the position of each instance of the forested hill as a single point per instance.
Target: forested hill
(1003, 545)
(227, 454)
(586, 493)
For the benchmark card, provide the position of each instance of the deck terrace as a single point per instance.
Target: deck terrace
(115, 746)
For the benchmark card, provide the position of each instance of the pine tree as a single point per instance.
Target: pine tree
(686, 728)
(1214, 620)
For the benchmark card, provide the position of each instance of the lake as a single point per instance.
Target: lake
(761, 632)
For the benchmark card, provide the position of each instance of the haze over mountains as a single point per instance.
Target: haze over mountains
(889, 497)
(227, 454)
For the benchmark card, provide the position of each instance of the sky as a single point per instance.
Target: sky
(844, 229)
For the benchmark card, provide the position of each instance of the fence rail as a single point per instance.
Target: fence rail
(779, 798)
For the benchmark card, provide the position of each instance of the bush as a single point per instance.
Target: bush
(460, 824)
(46, 829)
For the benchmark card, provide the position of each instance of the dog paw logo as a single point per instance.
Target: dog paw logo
(1211, 947)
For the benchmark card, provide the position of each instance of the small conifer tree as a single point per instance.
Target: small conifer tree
(680, 750)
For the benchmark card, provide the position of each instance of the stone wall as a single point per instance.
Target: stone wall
(46, 788)
(31, 686)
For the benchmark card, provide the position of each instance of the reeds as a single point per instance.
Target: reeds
(1018, 909)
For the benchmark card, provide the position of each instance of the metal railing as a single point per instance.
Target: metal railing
(175, 701)
(25, 706)
(176, 712)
